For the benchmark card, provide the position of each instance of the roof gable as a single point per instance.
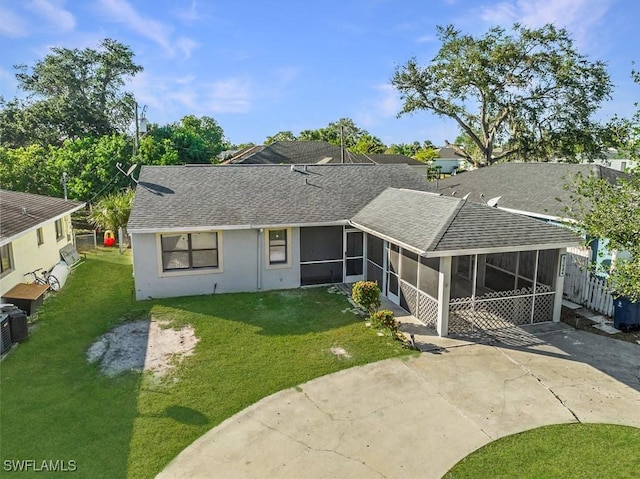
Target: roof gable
(21, 212)
(432, 225)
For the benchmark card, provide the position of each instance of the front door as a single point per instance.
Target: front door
(353, 256)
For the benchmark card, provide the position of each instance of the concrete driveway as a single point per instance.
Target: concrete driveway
(417, 417)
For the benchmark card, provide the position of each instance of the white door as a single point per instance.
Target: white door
(353, 256)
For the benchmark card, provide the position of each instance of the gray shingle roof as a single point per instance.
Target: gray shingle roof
(530, 187)
(188, 197)
(20, 212)
(290, 153)
(435, 225)
(310, 152)
(394, 159)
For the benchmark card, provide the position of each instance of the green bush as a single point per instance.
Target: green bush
(384, 319)
(366, 294)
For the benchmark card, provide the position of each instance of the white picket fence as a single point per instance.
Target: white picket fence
(582, 287)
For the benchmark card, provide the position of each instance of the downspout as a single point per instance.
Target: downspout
(260, 233)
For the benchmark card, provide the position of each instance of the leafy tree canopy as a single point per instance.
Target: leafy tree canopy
(423, 152)
(191, 140)
(612, 211)
(528, 90)
(89, 164)
(333, 131)
(280, 136)
(368, 144)
(71, 93)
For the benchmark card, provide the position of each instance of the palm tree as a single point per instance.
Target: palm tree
(112, 211)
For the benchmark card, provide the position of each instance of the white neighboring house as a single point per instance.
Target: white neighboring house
(33, 230)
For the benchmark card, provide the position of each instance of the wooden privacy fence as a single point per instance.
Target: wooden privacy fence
(584, 288)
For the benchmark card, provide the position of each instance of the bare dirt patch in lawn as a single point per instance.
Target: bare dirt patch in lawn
(148, 345)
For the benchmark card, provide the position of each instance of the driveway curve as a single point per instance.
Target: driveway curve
(417, 417)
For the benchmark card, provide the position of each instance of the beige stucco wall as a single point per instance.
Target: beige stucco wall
(27, 255)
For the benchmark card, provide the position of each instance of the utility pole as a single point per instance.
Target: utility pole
(141, 127)
(137, 137)
(341, 143)
(64, 184)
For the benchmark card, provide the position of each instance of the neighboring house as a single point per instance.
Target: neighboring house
(619, 164)
(33, 230)
(537, 190)
(449, 161)
(455, 265)
(313, 152)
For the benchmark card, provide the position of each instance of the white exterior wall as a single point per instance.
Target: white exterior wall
(27, 255)
(240, 252)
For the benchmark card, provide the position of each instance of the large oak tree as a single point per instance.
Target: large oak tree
(526, 90)
(70, 94)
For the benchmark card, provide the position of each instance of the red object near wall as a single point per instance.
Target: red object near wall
(109, 238)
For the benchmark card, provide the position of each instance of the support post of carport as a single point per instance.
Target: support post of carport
(559, 283)
(444, 294)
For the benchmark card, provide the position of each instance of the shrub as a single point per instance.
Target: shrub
(384, 319)
(366, 294)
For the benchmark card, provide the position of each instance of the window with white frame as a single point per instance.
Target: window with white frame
(190, 251)
(6, 259)
(40, 236)
(278, 253)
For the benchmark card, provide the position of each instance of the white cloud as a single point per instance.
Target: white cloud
(388, 104)
(232, 95)
(54, 13)
(578, 16)
(12, 24)
(161, 33)
(426, 39)
(170, 98)
(189, 15)
(185, 46)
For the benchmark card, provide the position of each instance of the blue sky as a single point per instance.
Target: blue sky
(260, 67)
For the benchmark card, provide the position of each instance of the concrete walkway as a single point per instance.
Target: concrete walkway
(417, 417)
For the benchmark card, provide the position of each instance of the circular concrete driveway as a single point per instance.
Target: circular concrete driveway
(417, 417)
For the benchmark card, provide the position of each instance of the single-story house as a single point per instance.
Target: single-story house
(457, 266)
(33, 230)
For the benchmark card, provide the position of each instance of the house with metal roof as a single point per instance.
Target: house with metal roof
(33, 230)
(455, 265)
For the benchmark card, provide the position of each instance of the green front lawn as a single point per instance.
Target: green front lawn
(56, 406)
(564, 451)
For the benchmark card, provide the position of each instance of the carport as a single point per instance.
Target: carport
(460, 267)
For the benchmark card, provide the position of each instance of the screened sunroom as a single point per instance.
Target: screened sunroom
(460, 267)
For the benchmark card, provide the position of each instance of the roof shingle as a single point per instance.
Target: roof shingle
(529, 187)
(432, 225)
(187, 197)
(20, 212)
